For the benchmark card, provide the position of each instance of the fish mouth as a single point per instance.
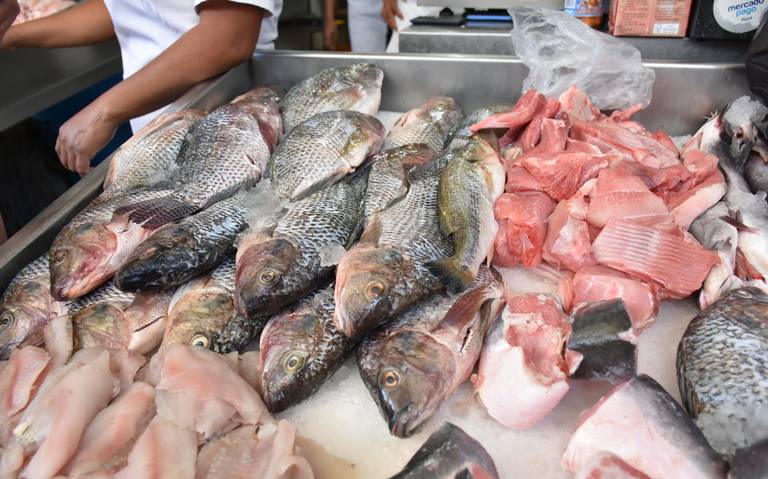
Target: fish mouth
(401, 422)
(6, 350)
(74, 286)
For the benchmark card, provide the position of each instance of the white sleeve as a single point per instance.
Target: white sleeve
(267, 5)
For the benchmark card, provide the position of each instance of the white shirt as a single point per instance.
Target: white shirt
(145, 28)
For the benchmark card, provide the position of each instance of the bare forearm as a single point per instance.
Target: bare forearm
(83, 24)
(329, 15)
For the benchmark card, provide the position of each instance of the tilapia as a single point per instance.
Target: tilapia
(388, 180)
(299, 350)
(26, 307)
(202, 313)
(431, 123)
(355, 87)
(279, 268)
(743, 120)
(471, 183)
(178, 253)
(463, 132)
(322, 150)
(224, 152)
(415, 362)
(750, 462)
(91, 248)
(449, 453)
(386, 272)
(642, 425)
(722, 370)
(149, 156)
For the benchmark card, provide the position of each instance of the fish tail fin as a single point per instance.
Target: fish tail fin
(455, 276)
(156, 212)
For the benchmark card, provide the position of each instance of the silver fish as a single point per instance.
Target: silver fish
(149, 156)
(177, 253)
(756, 173)
(224, 152)
(722, 371)
(322, 150)
(355, 87)
(743, 119)
(431, 123)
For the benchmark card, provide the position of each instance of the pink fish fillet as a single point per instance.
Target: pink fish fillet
(532, 134)
(640, 423)
(562, 174)
(266, 452)
(19, 379)
(599, 283)
(56, 418)
(514, 120)
(567, 244)
(577, 106)
(605, 465)
(109, 438)
(677, 263)
(620, 195)
(522, 374)
(163, 451)
(642, 148)
(689, 205)
(524, 228)
(518, 179)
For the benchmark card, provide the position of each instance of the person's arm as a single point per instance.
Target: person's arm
(389, 10)
(85, 23)
(225, 37)
(9, 9)
(330, 30)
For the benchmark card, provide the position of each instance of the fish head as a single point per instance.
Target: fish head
(368, 281)
(361, 84)
(262, 280)
(79, 259)
(263, 104)
(150, 264)
(23, 314)
(409, 374)
(742, 121)
(198, 312)
(366, 74)
(101, 325)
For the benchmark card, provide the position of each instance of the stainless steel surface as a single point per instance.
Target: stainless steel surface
(34, 79)
(684, 94)
(495, 40)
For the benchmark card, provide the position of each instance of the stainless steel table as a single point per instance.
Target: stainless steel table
(495, 40)
(34, 79)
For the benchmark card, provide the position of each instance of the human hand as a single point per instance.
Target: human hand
(84, 135)
(389, 11)
(330, 34)
(9, 9)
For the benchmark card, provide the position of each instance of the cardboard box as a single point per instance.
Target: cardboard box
(649, 18)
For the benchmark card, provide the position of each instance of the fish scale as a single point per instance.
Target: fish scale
(463, 132)
(431, 123)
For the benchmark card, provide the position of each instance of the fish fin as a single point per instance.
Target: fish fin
(455, 276)
(737, 224)
(744, 269)
(156, 212)
(466, 307)
(372, 232)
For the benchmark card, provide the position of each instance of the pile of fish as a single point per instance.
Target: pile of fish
(236, 259)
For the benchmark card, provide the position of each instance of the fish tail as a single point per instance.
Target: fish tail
(454, 275)
(156, 212)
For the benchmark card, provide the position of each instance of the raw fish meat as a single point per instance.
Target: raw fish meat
(678, 264)
(577, 106)
(568, 244)
(532, 134)
(521, 114)
(543, 278)
(604, 465)
(620, 195)
(19, 379)
(609, 136)
(562, 174)
(163, 451)
(689, 205)
(518, 179)
(522, 228)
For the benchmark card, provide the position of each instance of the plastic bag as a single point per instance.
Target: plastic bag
(560, 51)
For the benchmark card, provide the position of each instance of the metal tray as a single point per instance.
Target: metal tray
(683, 95)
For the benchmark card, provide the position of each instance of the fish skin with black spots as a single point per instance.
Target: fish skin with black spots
(322, 150)
(431, 123)
(354, 87)
(414, 363)
(176, 254)
(722, 372)
(225, 152)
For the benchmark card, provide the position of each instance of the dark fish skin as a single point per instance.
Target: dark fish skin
(449, 453)
(756, 173)
(299, 350)
(599, 334)
(722, 370)
(463, 133)
(750, 462)
(178, 253)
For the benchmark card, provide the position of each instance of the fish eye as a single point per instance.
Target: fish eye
(59, 257)
(200, 340)
(6, 319)
(374, 290)
(293, 362)
(390, 378)
(269, 277)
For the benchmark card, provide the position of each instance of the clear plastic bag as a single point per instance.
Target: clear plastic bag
(560, 51)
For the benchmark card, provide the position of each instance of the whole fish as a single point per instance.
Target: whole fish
(224, 152)
(418, 360)
(386, 272)
(299, 350)
(431, 123)
(91, 248)
(449, 453)
(26, 307)
(355, 87)
(470, 185)
(743, 120)
(202, 313)
(322, 150)
(463, 132)
(279, 268)
(388, 179)
(722, 372)
(149, 156)
(178, 253)
(756, 173)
